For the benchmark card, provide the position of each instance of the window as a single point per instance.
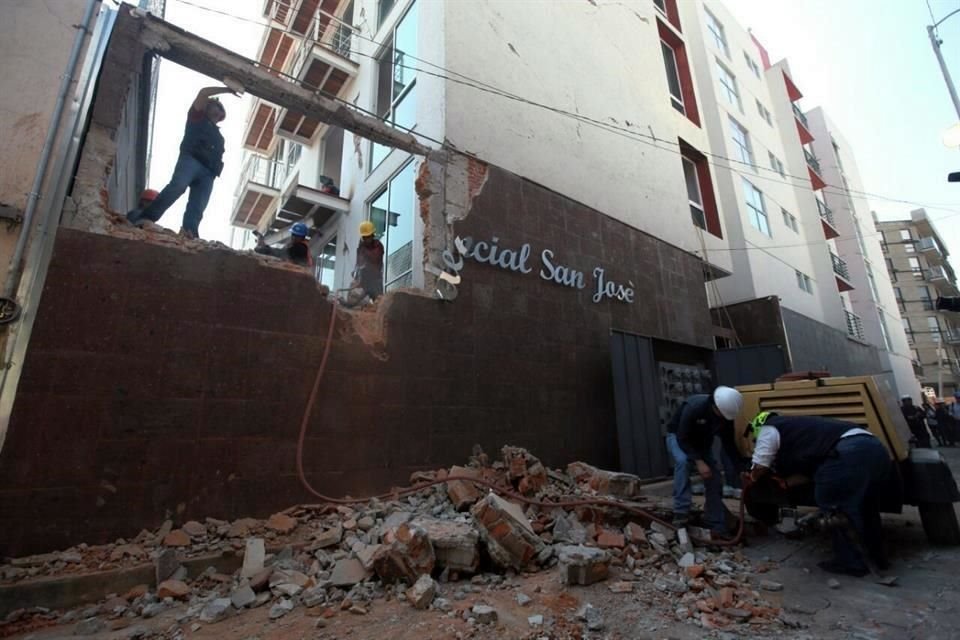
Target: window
(702, 202)
(915, 267)
(804, 282)
(741, 140)
(873, 282)
(677, 67)
(661, 5)
(383, 10)
(693, 194)
(673, 76)
(294, 151)
(392, 212)
(909, 247)
(751, 64)
(905, 235)
(908, 329)
(396, 81)
(891, 270)
(327, 262)
(790, 220)
(729, 86)
(776, 165)
(883, 330)
(717, 33)
(933, 326)
(925, 298)
(764, 113)
(758, 213)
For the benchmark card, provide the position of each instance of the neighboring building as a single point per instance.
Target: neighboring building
(916, 259)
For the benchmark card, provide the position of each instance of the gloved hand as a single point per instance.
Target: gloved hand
(235, 86)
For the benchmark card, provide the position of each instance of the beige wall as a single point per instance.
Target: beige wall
(35, 41)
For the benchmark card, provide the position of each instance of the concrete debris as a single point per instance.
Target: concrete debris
(833, 583)
(194, 529)
(509, 537)
(89, 627)
(592, 616)
(600, 481)
(281, 608)
(348, 572)
(242, 597)
(581, 565)
(421, 594)
(281, 523)
(484, 614)
(216, 610)
(329, 537)
(166, 564)
(173, 589)
(176, 538)
(406, 555)
(454, 543)
(535, 621)
(463, 494)
(770, 585)
(524, 471)
(253, 557)
(523, 599)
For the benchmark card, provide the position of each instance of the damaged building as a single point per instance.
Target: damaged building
(153, 377)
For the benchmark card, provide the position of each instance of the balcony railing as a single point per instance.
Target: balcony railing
(802, 118)
(262, 171)
(854, 325)
(951, 337)
(812, 161)
(825, 212)
(840, 266)
(340, 42)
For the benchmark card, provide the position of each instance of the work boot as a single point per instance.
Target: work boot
(133, 216)
(188, 234)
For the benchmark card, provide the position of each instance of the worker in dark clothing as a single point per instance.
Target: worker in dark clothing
(945, 426)
(298, 251)
(916, 421)
(690, 435)
(850, 468)
(199, 164)
(368, 274)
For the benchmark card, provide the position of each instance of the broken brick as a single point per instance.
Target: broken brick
(583, 565)
(463, 493)
(621, 485)
(421, 594)
(610, 540)
(524, 470)
(725, 598)
(635, 533)
(406, 555)
(281, 523)
(695, 571)
(510, 540)
(176, 538)
(173, 589)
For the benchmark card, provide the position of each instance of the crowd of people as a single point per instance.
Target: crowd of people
(934, 417)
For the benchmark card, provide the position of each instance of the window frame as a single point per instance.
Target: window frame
(675, 100)
(708, 198)
(718, 32)
(764, 112)
(790, 220)
(384, 188)
(688, 163)
(724, 73)
(758, 217)
(389, 49)
(803, 281)
(751, 64)
(746, 147)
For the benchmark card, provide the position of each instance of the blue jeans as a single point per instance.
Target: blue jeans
(188, 174)
(714, 511)
(851, 482)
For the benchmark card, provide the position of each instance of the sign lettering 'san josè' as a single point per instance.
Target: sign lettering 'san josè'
(551, 270)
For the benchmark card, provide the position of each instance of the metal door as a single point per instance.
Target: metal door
(636, 384)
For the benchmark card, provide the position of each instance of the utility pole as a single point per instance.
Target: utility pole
(935, 42)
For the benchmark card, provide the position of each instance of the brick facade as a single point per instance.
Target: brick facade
(164, 383)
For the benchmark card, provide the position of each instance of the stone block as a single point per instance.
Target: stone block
(348, 572)
(510, 540)
(579, 565)
(454, 543)
(242, 597)
(253, 556)
(421, 594)
(408, 555)
(463, 493)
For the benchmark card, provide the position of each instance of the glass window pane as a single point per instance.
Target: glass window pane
(693, 186)
(405, 50)
(673, 78)
(405, 111)
(384, 10)
(326, 263)
(400, 224)
(378, 212)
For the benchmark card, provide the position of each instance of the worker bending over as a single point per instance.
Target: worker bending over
(690, 435)
(850, 468)
(368, 273)
(297, 252)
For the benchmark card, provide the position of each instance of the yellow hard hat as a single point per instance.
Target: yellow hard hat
(367, 228)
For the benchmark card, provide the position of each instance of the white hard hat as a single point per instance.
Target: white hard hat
(728, 402)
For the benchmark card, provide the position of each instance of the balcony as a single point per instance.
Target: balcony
(951, 336)
(803, 127)
(841, 273)
(813, 168)
(258, 192)
(930, 248)
(323, 65)
(300, 203)
(826, 220)
(943, 279)
(296, 15)
(854, 326)
(259, 135)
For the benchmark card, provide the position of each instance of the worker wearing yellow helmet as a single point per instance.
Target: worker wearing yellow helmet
(368, 274)
(850, 469)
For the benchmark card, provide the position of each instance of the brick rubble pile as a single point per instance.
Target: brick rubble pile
(430, 550)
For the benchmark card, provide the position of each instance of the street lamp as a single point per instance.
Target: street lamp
(936, 42)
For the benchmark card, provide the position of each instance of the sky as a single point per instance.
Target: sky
(868, 63)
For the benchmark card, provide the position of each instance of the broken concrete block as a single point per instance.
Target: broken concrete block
(421, 594)
(583, 565)
(194, 529)
(524, 470)
(282, 523)
(261, 580)
(665, 531)
(833, 583)
(567, 528)
(176, 538)
(621, 485)
(454, 543)
(288, 582)
(328, 537)
(770, 585)
(592, 616)
(484, 614)
(396, 519)
(368, 554)
(511, 541)
(535, 621)
(313, 597)
(242, 597)
(635, 533)
(348, 572)
(216, 610)
(166, 564)
(281, 608)
(408, 555)
(173, 589)
(686, 560)
(523, 599)
(463, 493)
(365, 523)
(253, 557)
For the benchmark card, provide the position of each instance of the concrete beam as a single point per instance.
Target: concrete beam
(203, 56)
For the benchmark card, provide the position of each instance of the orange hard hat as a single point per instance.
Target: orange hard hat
(149, 195)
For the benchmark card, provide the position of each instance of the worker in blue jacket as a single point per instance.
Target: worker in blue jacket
(690, 436)
(850, 469)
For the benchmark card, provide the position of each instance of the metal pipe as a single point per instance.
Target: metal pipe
(43, 163)
(931, 31)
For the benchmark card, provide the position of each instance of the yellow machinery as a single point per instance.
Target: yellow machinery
(924, 479)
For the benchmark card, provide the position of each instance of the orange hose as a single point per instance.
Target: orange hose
(568, 503)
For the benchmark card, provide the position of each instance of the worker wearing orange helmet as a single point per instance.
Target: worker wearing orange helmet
(368, 274)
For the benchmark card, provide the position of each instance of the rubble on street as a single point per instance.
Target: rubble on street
(430, 550)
